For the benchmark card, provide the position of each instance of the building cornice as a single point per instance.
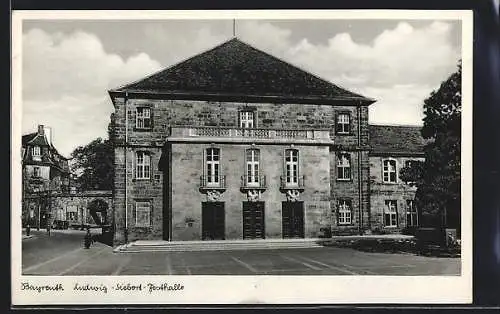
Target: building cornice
(225, 97)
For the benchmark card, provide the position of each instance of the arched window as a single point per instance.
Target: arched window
(291, 167)
(389, 171)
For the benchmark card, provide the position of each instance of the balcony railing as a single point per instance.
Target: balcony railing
(253, 182)
(292, 183)
(213, 182)
(254, 133)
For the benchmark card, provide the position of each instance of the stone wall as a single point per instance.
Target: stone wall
(58, 205)
(166, 113)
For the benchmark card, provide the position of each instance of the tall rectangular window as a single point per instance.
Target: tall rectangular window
(246, 119)
(253, 165)
(411, 214)
(212, 164)
(143, 165)
(343, 123)
(142, 214)
(344, 212)
(389, 170)
(143, 118)
(391, 213)
(344, 166)
(292, 166)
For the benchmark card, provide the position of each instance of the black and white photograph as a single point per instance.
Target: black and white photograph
(155, 151)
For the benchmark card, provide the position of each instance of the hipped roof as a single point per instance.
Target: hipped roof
(236, 69)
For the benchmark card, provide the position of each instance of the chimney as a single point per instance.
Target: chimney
(48, 135)
(40, 130)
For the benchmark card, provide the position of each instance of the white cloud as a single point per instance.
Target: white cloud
(420, 58)
(65, 79)
(65, 76)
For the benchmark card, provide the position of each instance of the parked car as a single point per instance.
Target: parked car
(60, 224)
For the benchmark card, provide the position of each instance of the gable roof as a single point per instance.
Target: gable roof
(396, 140)
(28, 137)
(237, 69)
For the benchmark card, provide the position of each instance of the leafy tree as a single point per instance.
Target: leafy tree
(92, 165)
(438, 177)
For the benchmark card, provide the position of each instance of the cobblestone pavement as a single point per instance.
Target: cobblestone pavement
(63, 254)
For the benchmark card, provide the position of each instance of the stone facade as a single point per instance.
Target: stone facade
(171, 119)
(78, 209)
(382, 192)
(317, 165)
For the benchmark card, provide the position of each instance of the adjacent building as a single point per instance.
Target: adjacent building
(44, 172)
(234, 143)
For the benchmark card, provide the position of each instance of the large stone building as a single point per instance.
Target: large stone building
(234, 143)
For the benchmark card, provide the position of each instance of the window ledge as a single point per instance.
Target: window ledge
(344, 180)
(142, 129)
(343, 134)
(141, 179)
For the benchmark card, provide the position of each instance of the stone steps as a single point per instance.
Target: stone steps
(224, 245)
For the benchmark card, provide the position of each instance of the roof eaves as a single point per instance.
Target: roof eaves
(187, 95)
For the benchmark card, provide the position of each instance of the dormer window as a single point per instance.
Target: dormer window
(37, 153)
(143, 118)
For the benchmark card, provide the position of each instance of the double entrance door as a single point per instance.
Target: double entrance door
(212, 220)
(253, 220)
(293, 219)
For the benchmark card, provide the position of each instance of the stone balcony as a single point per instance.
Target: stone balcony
(229, 134)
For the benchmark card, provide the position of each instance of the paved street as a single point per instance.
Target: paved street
(63, 254)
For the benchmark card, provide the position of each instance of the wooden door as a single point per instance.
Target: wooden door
(293, 219)
(253, 220)
(213, 226)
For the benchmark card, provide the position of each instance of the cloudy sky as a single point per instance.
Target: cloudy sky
(68, 66)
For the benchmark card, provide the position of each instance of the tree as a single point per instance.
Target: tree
(438, 177)
(92, 165)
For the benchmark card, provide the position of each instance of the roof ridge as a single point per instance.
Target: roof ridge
(172, 66)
